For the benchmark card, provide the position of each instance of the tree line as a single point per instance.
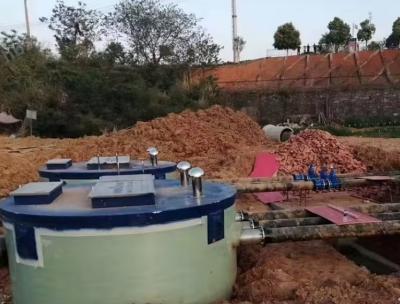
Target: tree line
(111, 70)
(287, 37)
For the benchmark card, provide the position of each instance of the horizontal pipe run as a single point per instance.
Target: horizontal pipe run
(302, 213)
(389, 216)
(252, 236)
(252, 179)
(273, 186)
(289, 178)
(306, 221)
(306, 233)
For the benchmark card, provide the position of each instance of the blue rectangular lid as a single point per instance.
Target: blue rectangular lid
(37, 193)
(121, 192)
(59, 161)
(37, 189)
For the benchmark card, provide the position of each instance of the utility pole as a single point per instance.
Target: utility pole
(235, 44)
(28, 27)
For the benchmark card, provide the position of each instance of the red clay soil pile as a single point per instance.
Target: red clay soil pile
(14, 171)
(308, 272)
(222, 141)
(319, 148)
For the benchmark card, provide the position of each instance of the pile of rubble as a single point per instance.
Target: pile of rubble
(318, 148)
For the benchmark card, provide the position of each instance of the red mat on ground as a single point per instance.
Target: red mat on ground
(342, 216)
(266, 165)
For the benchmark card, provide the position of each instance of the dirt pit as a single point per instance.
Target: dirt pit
(308, 272)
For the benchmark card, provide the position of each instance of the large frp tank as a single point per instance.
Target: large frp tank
(124, 240)
(96, 167)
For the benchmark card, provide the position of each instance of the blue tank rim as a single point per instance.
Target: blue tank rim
(163, 212)
(78, 171)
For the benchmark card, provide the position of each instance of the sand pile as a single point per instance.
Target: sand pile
(222, 141)
(319, 148)
(308, 272)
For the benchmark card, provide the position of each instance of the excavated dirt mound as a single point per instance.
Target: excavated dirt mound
(222, 141)
(15, 170)
(308, 272)
(319, 148)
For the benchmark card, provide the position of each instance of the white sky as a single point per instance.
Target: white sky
(258, 19)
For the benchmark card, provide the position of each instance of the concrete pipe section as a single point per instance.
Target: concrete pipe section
(66, 170)
(125, 239)
(278, 133)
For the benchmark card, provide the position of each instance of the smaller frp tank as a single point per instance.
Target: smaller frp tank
(66, 170)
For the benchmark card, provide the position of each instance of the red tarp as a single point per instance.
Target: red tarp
(266, 165)
(341, 216)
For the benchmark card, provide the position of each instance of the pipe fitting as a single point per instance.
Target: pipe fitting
(117, 160)
(153, 153)
(252, 236)
(183, 168)
(240, 217)
(196, 174)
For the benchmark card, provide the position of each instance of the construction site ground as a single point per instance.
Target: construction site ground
(302, 272)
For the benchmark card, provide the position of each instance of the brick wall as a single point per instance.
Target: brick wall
(343, 106)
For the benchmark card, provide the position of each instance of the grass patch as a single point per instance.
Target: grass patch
(383, 132)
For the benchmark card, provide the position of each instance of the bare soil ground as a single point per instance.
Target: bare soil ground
(386, 144)
(378, 154)
(308, 272)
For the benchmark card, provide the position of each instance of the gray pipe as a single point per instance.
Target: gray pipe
(240, 217)
(252, 236)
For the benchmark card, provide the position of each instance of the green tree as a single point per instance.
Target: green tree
(338, 35)
(396, 28)
(366, 31)
(75, 29)
(374, 46)
(393, 41)
(113, 54)
(287, 37)
(162, 33)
